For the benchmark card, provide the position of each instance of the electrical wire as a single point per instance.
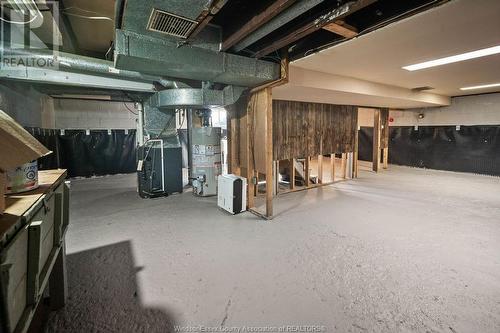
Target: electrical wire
(109, 50)
(38, 13)
(130, 97)
(130, 109)
(18, 22)
(100, 17)
(104, 18)
(81, 9)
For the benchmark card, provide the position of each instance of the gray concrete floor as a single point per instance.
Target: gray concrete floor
(407, 250)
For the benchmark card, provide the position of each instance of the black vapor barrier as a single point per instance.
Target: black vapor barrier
(85, 154)
(474, 149)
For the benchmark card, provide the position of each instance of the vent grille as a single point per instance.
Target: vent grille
(170, 24)
(418, 89)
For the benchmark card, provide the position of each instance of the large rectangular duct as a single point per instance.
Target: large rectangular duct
(154, 38)
(147, 54)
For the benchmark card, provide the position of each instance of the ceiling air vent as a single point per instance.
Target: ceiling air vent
(170, 24)
(418, 89)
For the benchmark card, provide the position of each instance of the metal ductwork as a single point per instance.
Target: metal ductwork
(165, 51)
(195, 98)
(162, 56)
(84, 66)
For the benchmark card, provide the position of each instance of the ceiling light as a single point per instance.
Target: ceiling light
(484, 86)
(455, 58)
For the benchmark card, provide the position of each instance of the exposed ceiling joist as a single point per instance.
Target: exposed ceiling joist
(341, 28)
(257, 21)
(277, 22)
(207, 15)
(315, 25)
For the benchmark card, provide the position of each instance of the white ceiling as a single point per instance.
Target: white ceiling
(313, 86)
(456, 27)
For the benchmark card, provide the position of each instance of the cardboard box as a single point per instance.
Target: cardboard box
(17, 147)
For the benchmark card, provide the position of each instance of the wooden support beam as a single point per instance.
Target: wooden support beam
(320, 169)
(344, 165)
(386, 157)
(276, 177)
(384, 138)
(315, 24)
(292, 174)
(356, 154)
(269, 152)
(250, 156)
(233, 143)
(256, 185)
(58, 280)
(256, 22)
(342, 29)
(206, 16)
(332, 162)
(376, 140)
(307, 171)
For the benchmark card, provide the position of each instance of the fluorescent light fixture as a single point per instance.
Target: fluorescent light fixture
(456, 58)
(484, 86)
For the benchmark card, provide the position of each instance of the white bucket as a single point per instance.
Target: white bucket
(23, 178)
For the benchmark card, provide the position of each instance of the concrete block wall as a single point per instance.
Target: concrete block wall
(464, 110)
(31, 108)
(93, 114)
(26, 105)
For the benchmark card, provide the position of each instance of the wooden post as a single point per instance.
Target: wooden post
(250, 163)
(292, 174)
(58, 280)
(384, 138)
(376, 140)
(356, 150)
(269, 152)
(332, 161)
(306, 171)
(34, 253)
(276, 177)
(234, 143)
(230, 139)
(344, 165)
(256, 185)
(320, 169)
(386, 158)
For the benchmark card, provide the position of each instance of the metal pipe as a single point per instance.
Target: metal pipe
(189, 114)
(140, 123)
(68, 62)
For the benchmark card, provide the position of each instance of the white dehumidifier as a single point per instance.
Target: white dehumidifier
(232, 193)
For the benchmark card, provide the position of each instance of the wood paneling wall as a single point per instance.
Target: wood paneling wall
(302, 129)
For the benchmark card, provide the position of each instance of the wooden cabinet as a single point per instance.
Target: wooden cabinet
(14, 278)
(31, 242)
